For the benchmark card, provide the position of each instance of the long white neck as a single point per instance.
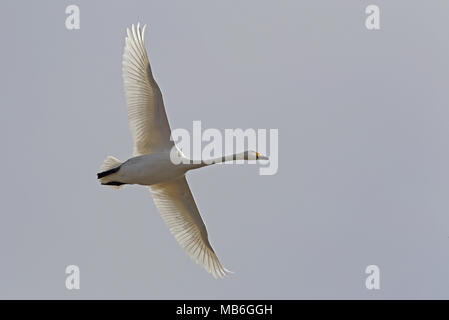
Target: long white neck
(236, 156)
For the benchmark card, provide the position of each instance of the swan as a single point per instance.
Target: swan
(151, 164)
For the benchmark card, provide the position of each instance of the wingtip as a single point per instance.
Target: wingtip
(228, 271)
(135, 30)
(221, 273)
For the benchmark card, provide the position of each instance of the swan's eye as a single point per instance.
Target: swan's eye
(258, 155)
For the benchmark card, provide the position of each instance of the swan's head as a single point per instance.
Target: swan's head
(253, 155)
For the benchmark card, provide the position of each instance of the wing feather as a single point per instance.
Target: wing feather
(175, 202)
(146, 112)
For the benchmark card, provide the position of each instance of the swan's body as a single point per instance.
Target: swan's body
(152, 164)
(149, 169)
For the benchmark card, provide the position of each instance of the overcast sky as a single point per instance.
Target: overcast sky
(363, 121)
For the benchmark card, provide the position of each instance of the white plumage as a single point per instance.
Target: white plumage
(178, 209)
(151, 165)
(146, 112)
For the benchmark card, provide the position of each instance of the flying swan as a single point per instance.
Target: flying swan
(152, 165)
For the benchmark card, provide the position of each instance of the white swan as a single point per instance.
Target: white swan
(151, 165)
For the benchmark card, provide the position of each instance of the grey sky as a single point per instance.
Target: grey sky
(363, 121)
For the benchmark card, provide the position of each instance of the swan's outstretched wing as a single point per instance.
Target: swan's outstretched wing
(178, 209)
(146, 111)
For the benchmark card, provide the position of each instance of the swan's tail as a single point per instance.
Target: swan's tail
(106, 175)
